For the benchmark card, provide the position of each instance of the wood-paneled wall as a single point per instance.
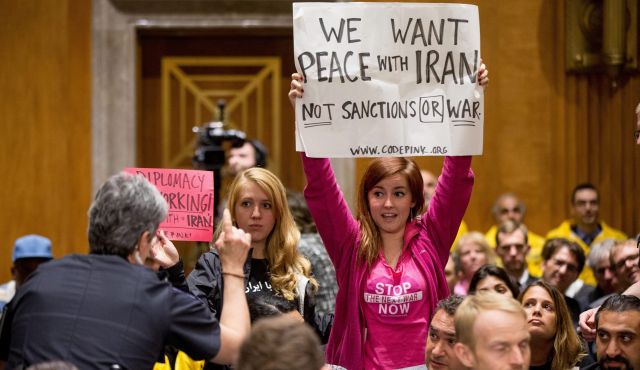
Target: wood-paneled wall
(547, 130)
(45, 105)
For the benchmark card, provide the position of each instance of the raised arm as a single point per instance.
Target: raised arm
(483, 75)
(587, 321)
(336, 225)
(166, 254)
(449, 203)
(233, 246)
(452, 195)
(193, 327)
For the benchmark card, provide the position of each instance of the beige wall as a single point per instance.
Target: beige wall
(45, 103)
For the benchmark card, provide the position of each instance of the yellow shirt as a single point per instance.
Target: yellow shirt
(183, 362)
(534, 257)
(463, 229)
(564, 231)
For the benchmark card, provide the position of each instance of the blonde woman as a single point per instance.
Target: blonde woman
(274, 270)
(471, 253)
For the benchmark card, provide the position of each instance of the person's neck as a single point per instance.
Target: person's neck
(540, 351)
(587, 228)
(517, 274)
(392, 244)
(258, 250)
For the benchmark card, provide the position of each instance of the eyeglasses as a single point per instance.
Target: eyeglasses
(623, 262)
(601, 270)
(570, 266)
(506, 248)
(504, 211)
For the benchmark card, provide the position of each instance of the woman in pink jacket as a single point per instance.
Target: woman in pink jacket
(389, 262)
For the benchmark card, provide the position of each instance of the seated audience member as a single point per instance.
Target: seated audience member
(562, 261)
(599, 260)
(587, 318)
(28, 253)
(106, 310)
(495, 279)
(512, 246)
(554, 341)
(429, 185)
(439, 352)
(509, 207)
(618, 334)
(585, 228)
(281, 343)
(470, 254)
(624, 259)
(492, 333)
(311, 246)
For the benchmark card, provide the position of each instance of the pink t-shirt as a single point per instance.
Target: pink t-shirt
(394, 307)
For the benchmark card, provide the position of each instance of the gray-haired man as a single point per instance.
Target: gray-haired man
(106, 309)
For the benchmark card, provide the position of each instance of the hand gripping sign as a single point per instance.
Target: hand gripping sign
(189, 194)
(388, 79)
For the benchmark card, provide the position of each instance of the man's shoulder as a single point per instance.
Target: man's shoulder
(93, 262)
(531, 279)
(535, 238)
(113, 269)
(610, 232)
(561, 231)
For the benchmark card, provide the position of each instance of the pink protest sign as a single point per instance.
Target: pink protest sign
(189, 194)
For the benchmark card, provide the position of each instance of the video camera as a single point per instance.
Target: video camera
(209, 154)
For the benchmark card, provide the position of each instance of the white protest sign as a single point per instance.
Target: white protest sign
(388, 79)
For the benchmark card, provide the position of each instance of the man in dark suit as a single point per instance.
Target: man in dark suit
(106, 310)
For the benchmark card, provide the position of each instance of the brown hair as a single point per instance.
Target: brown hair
(554, 245)
(280, 343)
(509, 227)
(378, 170)
(282, 243)
(567, 346)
